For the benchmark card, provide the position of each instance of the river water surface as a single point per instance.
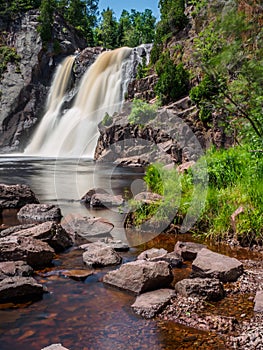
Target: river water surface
(85, 315)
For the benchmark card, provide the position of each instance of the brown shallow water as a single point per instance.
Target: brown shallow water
(89, 315)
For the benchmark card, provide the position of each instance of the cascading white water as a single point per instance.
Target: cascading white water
(75, 133)
(55, 100)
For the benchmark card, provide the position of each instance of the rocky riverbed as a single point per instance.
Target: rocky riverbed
(170, 280)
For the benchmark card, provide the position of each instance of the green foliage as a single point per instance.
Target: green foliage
(173, 80)
(9, 8)
(142, 112)
(46, 19)
(7, 54)
(107, 120)
(232, 72)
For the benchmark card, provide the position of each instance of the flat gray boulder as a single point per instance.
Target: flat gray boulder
(101, 200)
(150, 304)
(40, 212)
(207, 288)
(55, 347)
(188, 250)
(49, 232)
(213, 265)
(14, 268)
(258, 307)
(16, 196)
(88, 228)
(8, 231)
(36, 253)
(140, 276)
(20, 288)
(152, 253)
(100, 254)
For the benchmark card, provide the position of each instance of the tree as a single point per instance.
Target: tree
(46, 19)
(107, 32)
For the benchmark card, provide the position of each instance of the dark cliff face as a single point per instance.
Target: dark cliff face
(24, 86)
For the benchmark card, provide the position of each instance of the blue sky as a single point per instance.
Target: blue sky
(139, 5)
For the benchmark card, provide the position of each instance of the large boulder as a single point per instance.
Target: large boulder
(87, 196)
(188, 250)
(154, 254)
(20, 288)
(258, 307)
(88, 228)
(16, 196)
(206, 288)
(14, 268)
(49, 232)
(8, 231)
(101, 200)
(40, 212)
(100, 254)
(36, 253)
(213, 265)
(140, 276)
(150, 304)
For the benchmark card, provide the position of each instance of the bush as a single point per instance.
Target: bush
(7, 54)
(142, 112)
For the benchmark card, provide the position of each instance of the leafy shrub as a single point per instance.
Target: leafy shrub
(142, 112)
(7, 54)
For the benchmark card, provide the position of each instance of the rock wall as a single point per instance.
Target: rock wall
(24, 87)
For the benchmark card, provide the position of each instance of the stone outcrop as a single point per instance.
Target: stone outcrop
(20, 288)
(40, 212)
(24, 86)
(99, 254)
(140, 276)
(213, 265)
(150, 304)
(16, 196)
(206, 288)
(36, 253)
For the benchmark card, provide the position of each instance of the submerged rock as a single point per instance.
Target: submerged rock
(16, 196)
(150, 304)
(35, 252)
(213, 265)
(188, 250)
(100, 254)
(206, 288)
(40, 212)
(140, 276)
(14, 268)
(17, 288)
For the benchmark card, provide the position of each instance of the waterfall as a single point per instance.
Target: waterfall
(101, 90)
(55, 100)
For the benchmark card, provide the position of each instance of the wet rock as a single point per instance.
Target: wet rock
(17, 288)
(152, 253)
(116, 244)
(100, 254)
(16, 196)
(100, 200)
(54, 347)
(150, 304)
(148, 197)
(207, 288)
(213, 265)
(87, 197)
(258, 302)
(14, 268)
(40, 212)
(78, 275)
(188, 250)
(49, 232)
(174, 259)
(10, 230)
(35, 252)
(88, 228)
(140, 276)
